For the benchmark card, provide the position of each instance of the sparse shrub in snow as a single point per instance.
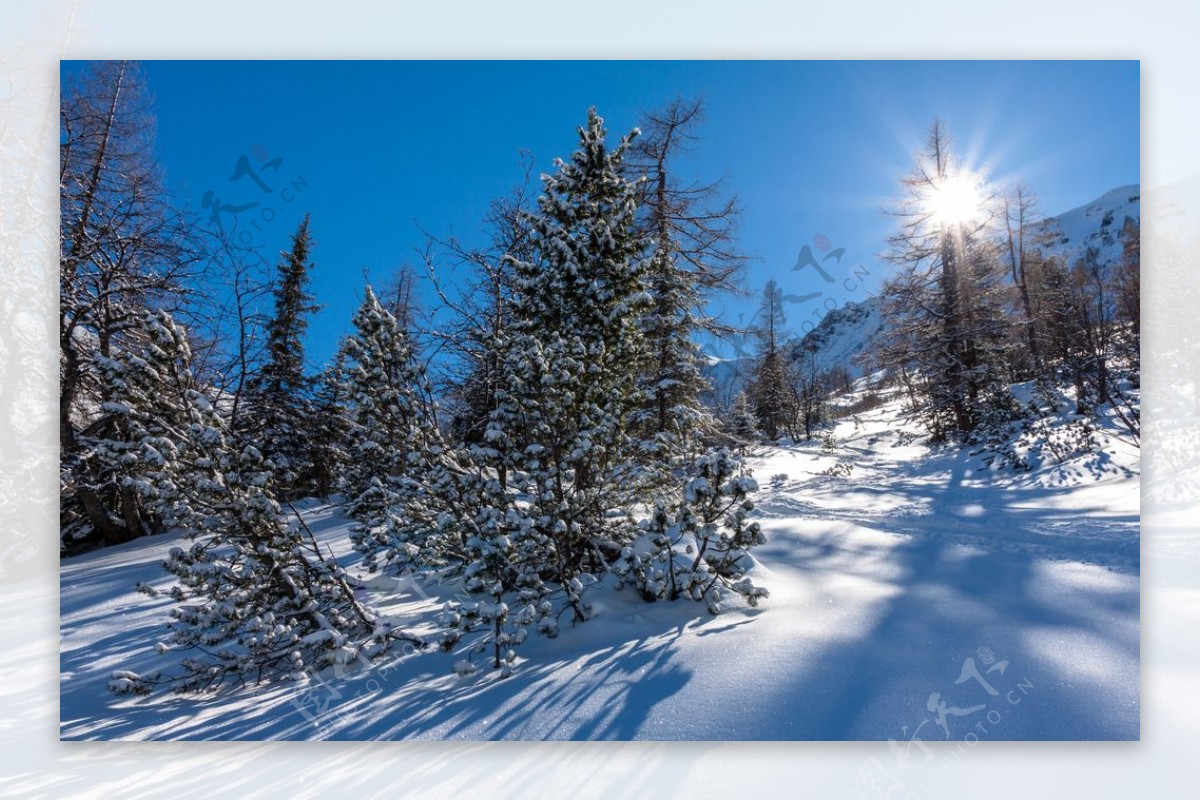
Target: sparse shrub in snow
(1041, 431)
(697, 545)
(839, 469)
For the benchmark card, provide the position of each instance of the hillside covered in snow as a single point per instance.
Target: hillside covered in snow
(1096, 225)
(496, 499)
(915, 595)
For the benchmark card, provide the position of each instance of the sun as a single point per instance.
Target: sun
(955, 200)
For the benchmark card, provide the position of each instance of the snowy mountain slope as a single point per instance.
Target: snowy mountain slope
(836, 341)
(840, 338)
(1094, 225)
(891, 567)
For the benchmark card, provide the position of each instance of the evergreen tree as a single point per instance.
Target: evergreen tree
(672, 419)
(698, 546)
(394, 442)
(742, 424)
(329, 430)
(770, 388)
(257, 599)
(560, 434)
(279, 406)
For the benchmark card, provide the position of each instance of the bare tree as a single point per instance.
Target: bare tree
(123, 250)
(945, 305)
(1023, 246)
(692, 228)
(480, 304)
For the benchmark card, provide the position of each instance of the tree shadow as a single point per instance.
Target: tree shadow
(971, 574)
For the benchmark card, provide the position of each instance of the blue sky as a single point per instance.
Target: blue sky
(377, 150)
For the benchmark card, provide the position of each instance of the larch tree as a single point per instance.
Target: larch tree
(481, 306)
(691, 228)
(1022, 247)
(946, 304)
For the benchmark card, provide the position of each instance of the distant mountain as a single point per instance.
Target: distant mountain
(840, 337)
(843, 333)
(837, 340)
(1095, 225)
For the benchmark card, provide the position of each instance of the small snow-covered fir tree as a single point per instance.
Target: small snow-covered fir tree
(395, 445)
(770, 389)
(672, 419)
(257, 599)
(329, 430)
(697, 546)
(742, 424)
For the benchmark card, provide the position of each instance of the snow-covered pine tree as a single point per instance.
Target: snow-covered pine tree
(697, 546)
(770, 389)
(742, 424)
(672, 419)
(257, 599)
(278, 402)
(329, 431)
(560, 435)
(394, 444)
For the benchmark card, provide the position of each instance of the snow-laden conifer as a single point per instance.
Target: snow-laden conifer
(697, 545)
(256, 597)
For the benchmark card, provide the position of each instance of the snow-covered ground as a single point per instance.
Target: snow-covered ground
(915, 595)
